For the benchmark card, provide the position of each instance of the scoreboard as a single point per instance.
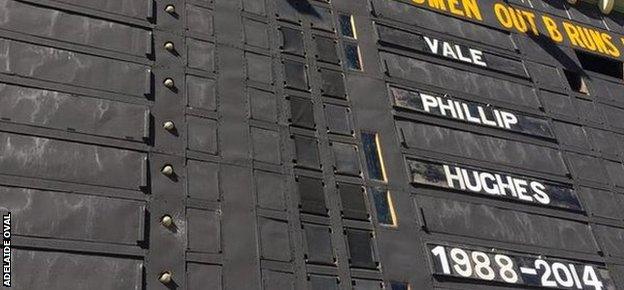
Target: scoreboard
(312, 144)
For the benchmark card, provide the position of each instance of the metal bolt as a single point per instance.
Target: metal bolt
(165, 277)
(169, 46)
(170, 9)
(168, 125)
(167, 170)
(166, 221)
(169, 83)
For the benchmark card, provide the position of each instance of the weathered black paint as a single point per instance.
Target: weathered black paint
(272, 185)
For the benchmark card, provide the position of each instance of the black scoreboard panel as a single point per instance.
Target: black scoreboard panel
(311, 144)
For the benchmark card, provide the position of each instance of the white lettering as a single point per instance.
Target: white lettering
(499, 121)
(461, 56)
(509, 119)
(470, 112)
(476, 187)
(469, 117)
(447, 50)
(6, 250)
(477, 57)
(484, 118)
(506, 186)
(454, 51)
(540, 195)
(495, 184)
(454, 176)
(428, 102)
(449, 106)
(521, 189)
(460, 112)
(485, 176)
(432, 43)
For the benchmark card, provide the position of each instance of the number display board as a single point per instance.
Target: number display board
(498, 184)
(471, 112)
(510, 268)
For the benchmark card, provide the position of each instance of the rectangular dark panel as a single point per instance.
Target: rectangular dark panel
(606, 142)
(201, 93)
(365, 284)
(558, 104)
(292, 41)
(494, 184)
(319, 17)
(319, 248)
(78, 69)
(571, 135)
(255, 6)
(204, 230)
(274, 240)
(614, 115)
(270, 190)
(338, 119)
(318, 282)
(265, 145)
(202, 276)
(602, 203)
(588, 168)
(481, 147)
(256, 33)
(296, 75)
(346, 159)
(504, 225)
(484, 265)
(262, 105)
(547, 76)
(199, 20)
(591, 111)
(543, 50)
(307, 152)
(277, 280)
(611, 239)
(55, 271)
(259, 68)
(202, 135)
(50, 109)
(459, 80)
(203, 180)
(608, 92)
(353, 201)
(301, 112)
(332, 84)
(200, 54)
(361, 249)
(287, 10)
(311, 195)
(468, 111)
(132, 8)
(409, 14)
(72, 162)
(56, 24)
(326, 49)
(75, 216)
(615, 171)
